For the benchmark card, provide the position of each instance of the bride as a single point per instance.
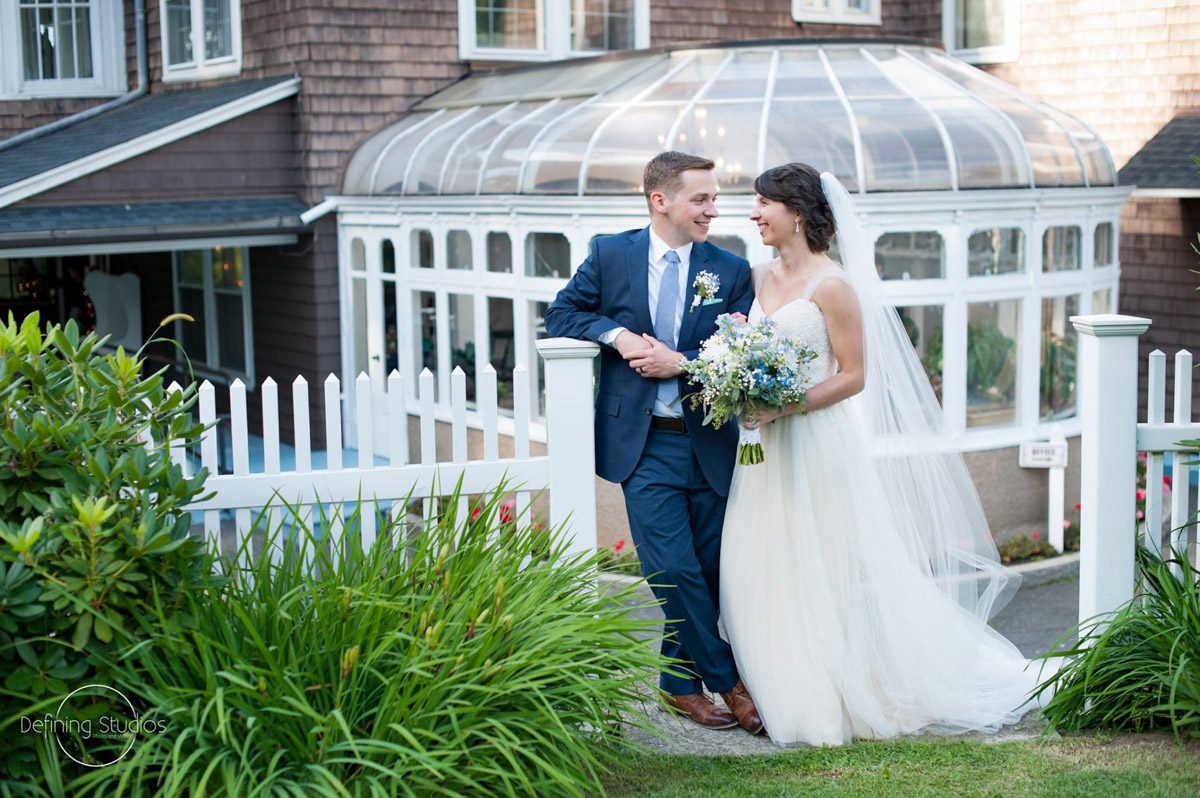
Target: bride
(857, 570)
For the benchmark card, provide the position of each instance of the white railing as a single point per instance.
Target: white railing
(566, 471)
(1111, 441)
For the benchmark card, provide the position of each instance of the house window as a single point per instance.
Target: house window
(61, 48)
(540, 30)
(213, 287)
(201, 38)
(910, 256)
(843, 12)
(981, 31)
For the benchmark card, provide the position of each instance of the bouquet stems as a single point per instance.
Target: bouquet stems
(750, 451)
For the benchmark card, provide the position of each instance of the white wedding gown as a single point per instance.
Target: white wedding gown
(837, 632)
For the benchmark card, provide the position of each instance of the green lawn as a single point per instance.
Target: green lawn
(1091, 766)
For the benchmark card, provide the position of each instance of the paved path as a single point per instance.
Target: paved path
(1045, 607)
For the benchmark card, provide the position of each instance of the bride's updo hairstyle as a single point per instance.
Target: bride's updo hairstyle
(798, 187)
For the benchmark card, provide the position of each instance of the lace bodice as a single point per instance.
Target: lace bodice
(802, 320)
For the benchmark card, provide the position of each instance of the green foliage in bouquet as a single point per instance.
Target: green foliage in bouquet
(92, 533)
(455, 659)
(1140, 671)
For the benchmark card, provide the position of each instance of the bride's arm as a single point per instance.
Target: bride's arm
(843, 320)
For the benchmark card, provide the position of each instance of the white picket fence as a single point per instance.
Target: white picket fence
(566, 471)
(1111, 442)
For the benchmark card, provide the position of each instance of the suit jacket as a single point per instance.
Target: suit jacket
(611, 289)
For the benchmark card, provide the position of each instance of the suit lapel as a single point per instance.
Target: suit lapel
(697, 262)
(637, 258)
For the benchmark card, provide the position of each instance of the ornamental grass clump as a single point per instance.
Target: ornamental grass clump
(1139, 671)
(465, 659)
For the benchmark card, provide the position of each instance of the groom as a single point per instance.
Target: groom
(635, 295)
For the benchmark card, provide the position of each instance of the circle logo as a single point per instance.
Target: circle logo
(95, 725)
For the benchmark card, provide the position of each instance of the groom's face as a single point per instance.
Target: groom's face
(691, 208)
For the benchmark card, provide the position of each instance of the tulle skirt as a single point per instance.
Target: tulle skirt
(837, 632)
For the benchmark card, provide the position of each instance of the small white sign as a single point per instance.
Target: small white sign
(1043, 454)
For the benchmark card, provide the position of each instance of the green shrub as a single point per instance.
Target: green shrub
(459, 662)
(91, 529)
(1141, 670)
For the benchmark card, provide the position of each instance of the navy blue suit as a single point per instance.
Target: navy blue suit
(674, 483)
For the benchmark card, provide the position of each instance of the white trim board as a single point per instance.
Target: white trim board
(96, 162)
(163, 245)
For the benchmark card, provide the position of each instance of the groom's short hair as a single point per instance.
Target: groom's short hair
(664, 170)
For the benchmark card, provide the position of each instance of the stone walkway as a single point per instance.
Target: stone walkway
(1045, 607)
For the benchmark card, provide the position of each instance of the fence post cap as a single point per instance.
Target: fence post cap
(563, 348)
(1110, 324)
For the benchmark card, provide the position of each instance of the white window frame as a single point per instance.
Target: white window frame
(997, 54)
(199, 68)
(108, 57)
(839, 12)
(211, 367)
(554, 29)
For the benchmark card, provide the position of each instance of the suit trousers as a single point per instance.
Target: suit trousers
(676, 518)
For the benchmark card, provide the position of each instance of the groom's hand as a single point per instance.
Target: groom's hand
(630, 345)
(658, 361)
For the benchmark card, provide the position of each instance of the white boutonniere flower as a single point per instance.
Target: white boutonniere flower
(706, 286)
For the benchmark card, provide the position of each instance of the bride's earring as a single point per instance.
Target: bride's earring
(797, 224)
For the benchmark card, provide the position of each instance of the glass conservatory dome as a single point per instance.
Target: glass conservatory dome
(883, 115)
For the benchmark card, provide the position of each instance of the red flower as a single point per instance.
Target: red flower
(1066, 524)
(1141, 495)
(1167, 480)
(508, 511)
(1140, 515)
(620, 544)
(1076, 505)
(476, 513)
(1035, 535)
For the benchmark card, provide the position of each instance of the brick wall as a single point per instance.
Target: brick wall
(1157, 280)
(1126, 67)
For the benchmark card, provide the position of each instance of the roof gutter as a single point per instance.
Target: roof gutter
(320, 209)
(143, 85)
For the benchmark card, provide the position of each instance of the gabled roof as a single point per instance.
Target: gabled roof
(150, 122)
(66, 224)
(1164, 166)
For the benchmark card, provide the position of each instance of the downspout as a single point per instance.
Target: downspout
(143, 85)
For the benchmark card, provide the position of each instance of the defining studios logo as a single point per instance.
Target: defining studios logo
(95, 725)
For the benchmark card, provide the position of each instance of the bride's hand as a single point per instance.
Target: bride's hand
(740, 318)
(755, 417)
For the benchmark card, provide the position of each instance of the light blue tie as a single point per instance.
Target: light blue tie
(664, 321)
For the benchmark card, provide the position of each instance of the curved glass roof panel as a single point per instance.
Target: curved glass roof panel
(881, 115)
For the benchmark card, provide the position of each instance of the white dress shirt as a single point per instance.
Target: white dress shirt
(658, 264)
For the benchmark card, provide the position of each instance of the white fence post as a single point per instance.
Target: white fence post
(1108, 377)
(570, 437)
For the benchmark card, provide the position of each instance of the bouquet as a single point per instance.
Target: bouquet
(747, 364)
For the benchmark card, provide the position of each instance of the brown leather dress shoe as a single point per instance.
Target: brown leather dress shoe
(699, 708)
(738, 699)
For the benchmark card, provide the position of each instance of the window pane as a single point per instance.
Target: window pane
(1102, 301)
(422, 244)
(425, 332)
(910, 256)
(83, 42)
(231, 338)
(359, 320)
(923, 323)
(547, 255)
(358, 256)
(458, 250)
(1061, 249)
(1104, 244)
(1057, 383)
(191, 302)
(179, 32)
(507, 23)
(228, 267)
(65, 42)
(1000, 250)
(499, 252)
(191, 267)
(218, 29)
(602, 25)
(390, 328)
(30, 44)
(462, 338)
(388, 254)
(978, 23)
(734, 244)
(537, 331)
(992, 329)
(503, 355)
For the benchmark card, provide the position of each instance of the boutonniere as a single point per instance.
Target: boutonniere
(706, 286)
